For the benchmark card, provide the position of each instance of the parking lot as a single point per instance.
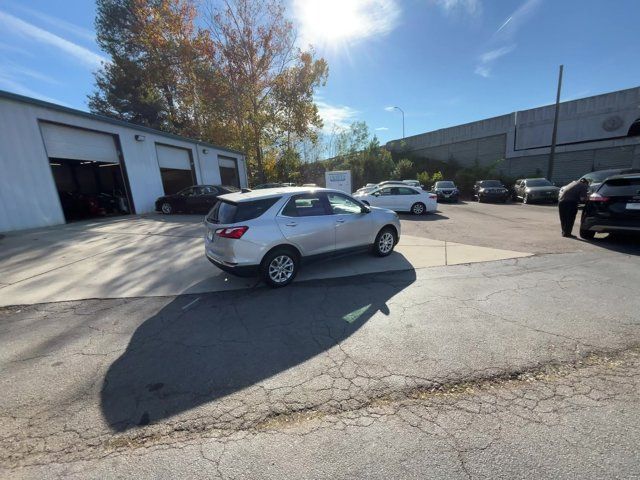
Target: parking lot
(464, 345)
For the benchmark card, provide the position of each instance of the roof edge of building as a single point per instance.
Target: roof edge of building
(114, 121)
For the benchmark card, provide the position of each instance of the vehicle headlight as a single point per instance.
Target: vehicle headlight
(481, 190)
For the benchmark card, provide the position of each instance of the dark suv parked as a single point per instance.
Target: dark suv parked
(596, 178)
(446, 190)
(615, 207)
(535, 190)
(490, 190)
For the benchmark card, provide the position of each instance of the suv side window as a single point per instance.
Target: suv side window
(343, 205)
(306, 205)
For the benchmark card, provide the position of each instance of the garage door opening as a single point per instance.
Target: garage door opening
(87, 172)
(176, 168)
(89, 189)
(229, 171)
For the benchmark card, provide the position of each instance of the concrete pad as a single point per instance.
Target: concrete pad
(458, 253)
(158, 255)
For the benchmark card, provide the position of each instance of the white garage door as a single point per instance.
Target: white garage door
(173, 157)
(76, 144)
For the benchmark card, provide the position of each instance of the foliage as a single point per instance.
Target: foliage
(234, 78)
(403, 170)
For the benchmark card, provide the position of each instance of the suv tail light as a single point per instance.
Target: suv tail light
(596, 197)
(232, 232)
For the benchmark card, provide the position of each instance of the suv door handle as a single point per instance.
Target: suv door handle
(340, 220)
(291, 224)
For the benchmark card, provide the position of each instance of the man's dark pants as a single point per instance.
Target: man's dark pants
(568, 212)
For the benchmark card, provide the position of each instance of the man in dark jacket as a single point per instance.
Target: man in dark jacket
(570, 196)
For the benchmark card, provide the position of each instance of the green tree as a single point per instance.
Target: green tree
(424, 179)
(404, 169)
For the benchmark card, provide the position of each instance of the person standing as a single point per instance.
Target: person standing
(570, 196)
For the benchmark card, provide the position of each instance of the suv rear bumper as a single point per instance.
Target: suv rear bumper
(595, 224)
(238, 270)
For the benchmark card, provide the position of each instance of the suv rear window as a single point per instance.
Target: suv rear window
(225, 212)
(620, 187)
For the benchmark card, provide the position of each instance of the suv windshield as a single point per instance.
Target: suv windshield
(445, 185)
(540, 182)
(490, 183)
(226, 212)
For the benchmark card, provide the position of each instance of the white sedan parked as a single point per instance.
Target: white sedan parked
(400, 199)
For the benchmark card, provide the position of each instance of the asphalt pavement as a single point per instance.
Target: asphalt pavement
(519, 367)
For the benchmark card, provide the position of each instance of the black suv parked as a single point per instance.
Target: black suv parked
(615, 207)
(446, 190)
(490, 190)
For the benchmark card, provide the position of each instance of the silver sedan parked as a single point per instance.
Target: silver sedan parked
(271, 232)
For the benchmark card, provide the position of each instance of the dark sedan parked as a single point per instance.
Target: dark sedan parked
(195, 199)
(490, 190)
(615, 207)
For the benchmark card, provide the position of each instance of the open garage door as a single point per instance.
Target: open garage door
(87, 172)
(229, 171)
(175, 168)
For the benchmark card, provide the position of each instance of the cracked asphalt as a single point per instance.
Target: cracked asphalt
(518, 368)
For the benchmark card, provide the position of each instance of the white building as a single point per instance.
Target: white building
(50, 154)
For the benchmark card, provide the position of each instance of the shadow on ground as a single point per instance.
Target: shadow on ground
(201, 348)
(628, 244)
(429, 217)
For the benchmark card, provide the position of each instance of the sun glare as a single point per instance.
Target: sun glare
(337, 22)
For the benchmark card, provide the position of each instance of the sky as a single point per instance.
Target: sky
(444, 62)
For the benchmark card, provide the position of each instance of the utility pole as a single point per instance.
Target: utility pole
(554, 135)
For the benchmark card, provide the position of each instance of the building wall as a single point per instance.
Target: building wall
(28, 194)
(592, 135)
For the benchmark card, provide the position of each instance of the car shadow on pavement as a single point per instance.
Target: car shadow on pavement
(628, 244)
(429, 217)
(200, 348)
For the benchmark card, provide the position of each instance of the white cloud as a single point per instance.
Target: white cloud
(82, 54)
(504, 35)
(468, 7)
(335, 22)
(381, 129)
(483, 71)
(13, 70)
(60, 24)
(493, 55)
(10, 84)
(335, 117)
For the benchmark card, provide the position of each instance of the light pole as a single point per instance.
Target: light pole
(390, 109)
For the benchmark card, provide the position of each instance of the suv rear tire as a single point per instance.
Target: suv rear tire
(279, 267)
(384, 243)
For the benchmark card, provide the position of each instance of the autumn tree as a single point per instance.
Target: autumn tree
(160, 70)
(270, 79)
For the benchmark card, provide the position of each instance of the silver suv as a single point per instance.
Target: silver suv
(270, 232)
